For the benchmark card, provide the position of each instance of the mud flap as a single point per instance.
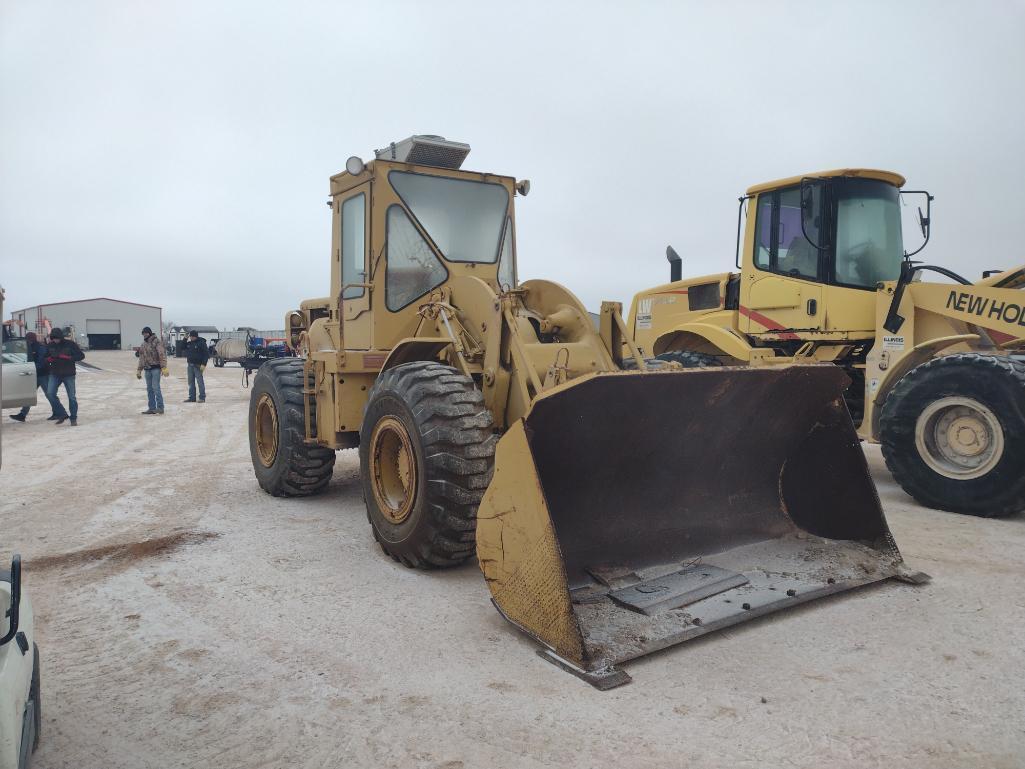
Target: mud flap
(632, 511)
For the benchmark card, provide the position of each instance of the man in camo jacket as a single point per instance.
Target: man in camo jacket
(152, 365)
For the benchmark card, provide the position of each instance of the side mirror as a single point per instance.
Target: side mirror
(924, 219)
(812, 205)
(675, 264)
(13, 614)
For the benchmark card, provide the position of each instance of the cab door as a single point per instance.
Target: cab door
(353, 251)
(18, 375)
(782, 295)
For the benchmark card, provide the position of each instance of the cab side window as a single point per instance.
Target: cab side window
(354, 245)
(781, 245)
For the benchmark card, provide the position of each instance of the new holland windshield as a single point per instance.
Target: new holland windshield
(464, 218)
(869, 245)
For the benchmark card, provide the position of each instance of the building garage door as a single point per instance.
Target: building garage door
(103, 334)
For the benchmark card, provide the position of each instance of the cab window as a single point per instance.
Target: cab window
(869, 242)
(412, 268)
(781, 245)
(353, 245)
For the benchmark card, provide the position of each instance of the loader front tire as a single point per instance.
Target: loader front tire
(426, 456)
(953, 434)
(689, 359)
(285, 465)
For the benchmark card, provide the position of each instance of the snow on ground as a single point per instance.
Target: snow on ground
(186, 619)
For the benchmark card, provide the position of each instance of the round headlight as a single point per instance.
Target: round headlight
(354, 165)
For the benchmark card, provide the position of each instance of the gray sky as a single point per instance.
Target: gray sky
(178, 153)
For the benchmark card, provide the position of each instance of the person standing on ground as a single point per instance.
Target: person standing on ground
(197, 354)
(61, 355)
(37, 355)
(152, 365)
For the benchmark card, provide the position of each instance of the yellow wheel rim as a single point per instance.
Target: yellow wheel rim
(266, 430)
(393, 469)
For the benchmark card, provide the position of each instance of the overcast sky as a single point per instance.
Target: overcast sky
(178, 153)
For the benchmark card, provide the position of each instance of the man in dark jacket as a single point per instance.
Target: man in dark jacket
(197, 354)
(61, 355)
(37, 355)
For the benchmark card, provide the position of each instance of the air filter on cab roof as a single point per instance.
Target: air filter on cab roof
(426, 150)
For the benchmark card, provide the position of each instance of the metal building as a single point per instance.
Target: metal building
(98, 324)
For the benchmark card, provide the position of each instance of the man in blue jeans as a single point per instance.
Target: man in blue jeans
(197, 354)
(152, 365)
(62, 354)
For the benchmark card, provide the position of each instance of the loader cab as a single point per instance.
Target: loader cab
(817, 247)
(405, 224)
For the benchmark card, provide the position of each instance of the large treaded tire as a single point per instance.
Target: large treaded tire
(996, 382)
(299, 469)
(689, 359)
(453, 443)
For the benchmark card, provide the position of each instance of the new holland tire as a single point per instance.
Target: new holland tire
(426, 453)
(953, 434)
(285, 465)
(689, 359)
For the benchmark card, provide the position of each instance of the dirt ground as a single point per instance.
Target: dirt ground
(186, 619)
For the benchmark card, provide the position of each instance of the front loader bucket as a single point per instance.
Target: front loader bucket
(632, 511)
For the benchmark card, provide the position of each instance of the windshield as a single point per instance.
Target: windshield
(463, 218)
(869, 246)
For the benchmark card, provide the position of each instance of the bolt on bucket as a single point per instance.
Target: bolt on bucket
(632, 511)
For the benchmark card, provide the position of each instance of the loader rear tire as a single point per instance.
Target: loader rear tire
(689, 359)
(953, 434)
(285, 465)
(426, 455)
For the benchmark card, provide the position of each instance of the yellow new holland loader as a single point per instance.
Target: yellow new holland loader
(609, 505)
(937, 369)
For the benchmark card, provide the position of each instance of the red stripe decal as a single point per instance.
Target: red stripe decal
(769, 323)
(999, 336)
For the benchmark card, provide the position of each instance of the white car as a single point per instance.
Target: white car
(19, 375)
(20, 706)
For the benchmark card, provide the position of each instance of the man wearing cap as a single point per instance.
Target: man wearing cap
(61, 355)
(197, 354)
(152, 365)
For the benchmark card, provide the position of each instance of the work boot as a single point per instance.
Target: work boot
(202, 400)
(189, 400)
(160, 411)
(148, 411)
(52, 417)
(61, 420)
(17, 417)
(74, 422)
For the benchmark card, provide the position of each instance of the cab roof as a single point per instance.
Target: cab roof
(864, 173)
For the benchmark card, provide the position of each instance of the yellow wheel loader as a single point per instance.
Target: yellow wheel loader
(493, 418)
(937, 369)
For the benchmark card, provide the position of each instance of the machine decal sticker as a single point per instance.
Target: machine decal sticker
(985, 307)
(893, 342)
(644, 313)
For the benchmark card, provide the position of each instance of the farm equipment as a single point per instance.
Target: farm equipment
(937, 369)
(250, 353)
(609, 507)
